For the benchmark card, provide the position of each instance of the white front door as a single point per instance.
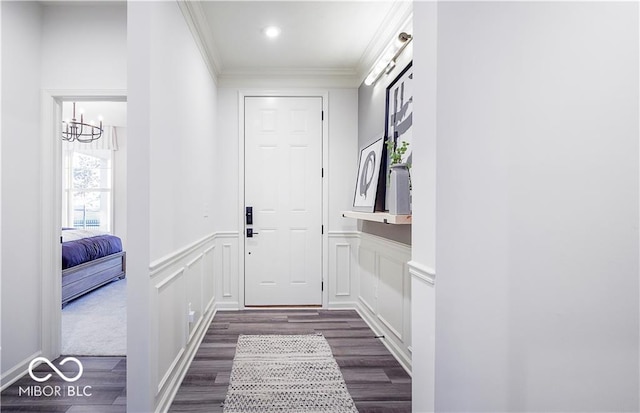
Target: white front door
(283, 186)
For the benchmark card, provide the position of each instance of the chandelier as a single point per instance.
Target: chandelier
(72, 130)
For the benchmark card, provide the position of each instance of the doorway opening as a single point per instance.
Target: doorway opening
(93, 218)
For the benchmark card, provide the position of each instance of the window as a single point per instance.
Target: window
(87, 200)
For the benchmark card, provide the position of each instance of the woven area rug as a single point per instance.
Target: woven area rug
(286, 373)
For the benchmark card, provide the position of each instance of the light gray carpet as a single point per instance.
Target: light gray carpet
(96, 323)
(286, 373)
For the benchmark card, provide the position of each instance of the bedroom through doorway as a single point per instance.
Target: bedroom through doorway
(94, 227)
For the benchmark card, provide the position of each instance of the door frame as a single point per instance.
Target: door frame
(324, 95)
(51, 206)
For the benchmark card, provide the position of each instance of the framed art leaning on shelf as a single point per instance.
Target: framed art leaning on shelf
(364, 198)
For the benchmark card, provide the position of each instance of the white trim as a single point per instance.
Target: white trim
(179, 370)
(16, 372)
(160, 264)
(226, 234)
(288, 78)
(197, 258)
(324, 95)
(349, 247)
(170, 371)
(51, 206)
(170, 383)
(422, 272)
(169, 279)
(385, 243)
(225, 258)
(343, 234)
(393, 348)
(199, 27)
(228, 306)
(399, 18)
(342, 305)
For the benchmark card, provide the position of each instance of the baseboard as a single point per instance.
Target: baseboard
(379, 329)
(18, 371)
(183, 365)
(227, 306)
(341, 305)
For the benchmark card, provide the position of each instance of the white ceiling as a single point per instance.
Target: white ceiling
(340, 38)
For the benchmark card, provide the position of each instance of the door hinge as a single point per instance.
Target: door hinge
(322, 286)
(322, 172)
(322, 115)
(322, 229)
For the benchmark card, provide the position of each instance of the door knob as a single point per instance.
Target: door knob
(250, 233)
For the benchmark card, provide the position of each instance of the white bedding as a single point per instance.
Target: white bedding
(75, 234)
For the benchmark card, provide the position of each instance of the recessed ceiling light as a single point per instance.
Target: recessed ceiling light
(272, 32)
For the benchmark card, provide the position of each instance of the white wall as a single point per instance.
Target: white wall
(21, 45)
(171, 200)
(537, 207)
(183, 127)
(422, 266)
(34, 39)
(84, 46)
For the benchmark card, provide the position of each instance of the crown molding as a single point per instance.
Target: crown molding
(289, 78)
(196, 20)
(399, 18)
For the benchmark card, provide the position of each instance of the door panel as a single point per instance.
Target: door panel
(283, 184)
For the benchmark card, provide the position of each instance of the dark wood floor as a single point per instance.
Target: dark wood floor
(107, 377)
(376, 381)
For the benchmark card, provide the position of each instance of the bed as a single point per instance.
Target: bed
(90, 259)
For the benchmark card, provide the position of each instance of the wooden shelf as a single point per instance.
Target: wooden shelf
(383, 217)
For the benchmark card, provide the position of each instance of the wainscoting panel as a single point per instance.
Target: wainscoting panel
(195, 301)
(208, 293)
(171, 321)
(226, 280)
(226, 270)
(384, 299)
(391, 294)
(343, 267)
(368, 278)
(343, 270)
(423, 354)
(184, 277)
